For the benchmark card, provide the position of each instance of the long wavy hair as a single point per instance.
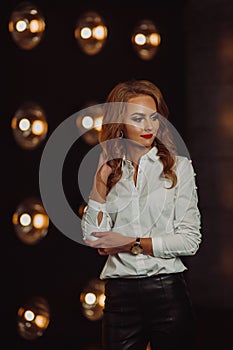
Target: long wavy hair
(112, 127)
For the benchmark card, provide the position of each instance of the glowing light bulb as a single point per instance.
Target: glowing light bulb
(24, 124)
(33, 318)
(34, 26)
(21, 26)
(29, 125)
(102, 300)
(154, 39)
(30, 221)
(99, 32)
(140, 39)
(98, 123)
(85, 33)
(145, 39)
(38, 127)
(41, 321)
(90, 298)
(87, 122)
(90, 26)
(25, 219)
(26, 25)
(29, 315)
(39, 221)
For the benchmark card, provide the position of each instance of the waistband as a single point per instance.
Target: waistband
(159, 276)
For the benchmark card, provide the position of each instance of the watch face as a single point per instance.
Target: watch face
(136, 249)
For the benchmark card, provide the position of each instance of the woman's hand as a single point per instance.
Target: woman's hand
(99, 189)
(103, 169)
(112, 242)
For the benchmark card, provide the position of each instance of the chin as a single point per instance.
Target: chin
(148, 143)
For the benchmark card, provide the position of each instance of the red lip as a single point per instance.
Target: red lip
(147, 136)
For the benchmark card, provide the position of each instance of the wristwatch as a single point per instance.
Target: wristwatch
(136, 247)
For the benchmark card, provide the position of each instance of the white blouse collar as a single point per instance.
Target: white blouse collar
(151, 154)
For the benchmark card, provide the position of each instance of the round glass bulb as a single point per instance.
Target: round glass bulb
(145, 39)
(91, 33)
(26, 25)
(92, 300)
(33, 318)
(89, 121)
(29, 125)
(30, 221)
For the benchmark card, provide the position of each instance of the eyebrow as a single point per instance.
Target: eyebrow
(142, 114)
(137, 113)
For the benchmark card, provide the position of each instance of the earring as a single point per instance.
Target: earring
(121, 135)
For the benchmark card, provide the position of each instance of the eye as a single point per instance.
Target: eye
(137, 119)
(155, 116)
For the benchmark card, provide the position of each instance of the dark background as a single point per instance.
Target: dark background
(193, 69)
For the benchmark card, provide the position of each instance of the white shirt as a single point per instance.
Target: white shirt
(148, 209)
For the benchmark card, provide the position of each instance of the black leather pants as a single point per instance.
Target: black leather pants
(155, 309)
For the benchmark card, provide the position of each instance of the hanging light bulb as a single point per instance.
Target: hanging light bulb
(92, 300)
(30, 221)
(29, 125)
(145, 39)
(91, 33)
(26, 25)
(89, 121)
(33, 318)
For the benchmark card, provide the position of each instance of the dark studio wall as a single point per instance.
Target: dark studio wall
(209, 85)
(61, 78)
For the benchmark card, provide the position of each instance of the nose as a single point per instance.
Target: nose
(148, 125)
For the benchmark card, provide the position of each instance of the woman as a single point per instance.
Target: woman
(142, 212)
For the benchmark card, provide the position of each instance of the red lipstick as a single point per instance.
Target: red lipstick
(147, 136)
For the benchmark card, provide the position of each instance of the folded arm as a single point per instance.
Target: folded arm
(184, 240)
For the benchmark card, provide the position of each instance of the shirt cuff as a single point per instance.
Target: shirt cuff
(97, 205)
(157, 246)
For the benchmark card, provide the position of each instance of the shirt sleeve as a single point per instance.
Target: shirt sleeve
(89, 222)
(186, 238)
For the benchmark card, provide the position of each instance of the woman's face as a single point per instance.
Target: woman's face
(140, 123)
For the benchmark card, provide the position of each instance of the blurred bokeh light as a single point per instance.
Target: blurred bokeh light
(29, 125)
(89, 121)
(91, 33)
(30, 221)
(33, 318)
(92, 300)
(26, 25)
(145, 39)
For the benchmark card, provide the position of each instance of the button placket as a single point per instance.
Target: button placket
(139, 174)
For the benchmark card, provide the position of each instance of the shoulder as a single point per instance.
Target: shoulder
(184, 166)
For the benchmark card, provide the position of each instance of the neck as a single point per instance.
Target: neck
(135, 152)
